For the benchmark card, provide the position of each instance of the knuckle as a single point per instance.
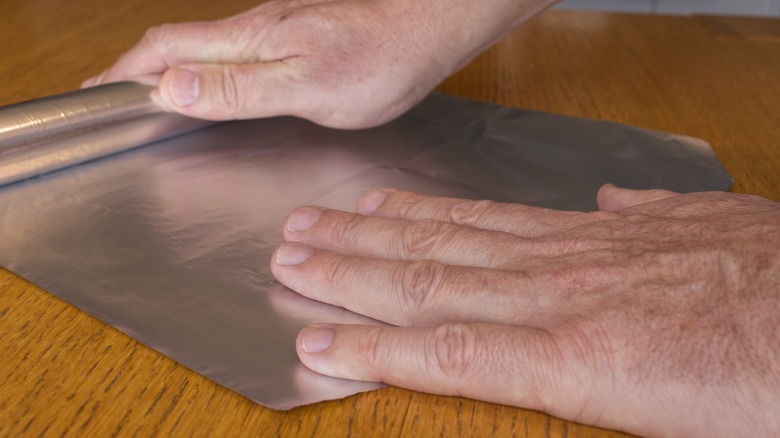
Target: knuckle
(156, 34)
(453, 352)
(419, 238)
(230, 102)
(245, 34)
(317, 33)
(369, 347)
(470, 212)
(338, 270)
(421, 284)
(161, 37)
(584, 279)
(406, 207)
(347, 230)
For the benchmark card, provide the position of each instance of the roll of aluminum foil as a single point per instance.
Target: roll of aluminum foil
(171, 243)
(55, 132)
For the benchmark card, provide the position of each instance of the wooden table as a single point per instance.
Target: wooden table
(63, 372)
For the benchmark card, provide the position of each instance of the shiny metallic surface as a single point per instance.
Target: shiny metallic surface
(171, 242)
(56, 132)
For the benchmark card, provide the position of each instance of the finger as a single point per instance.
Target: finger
(518, 219)
(398, 239)
(152, 79)
(297, 307)
(94, 80)
(508, 365)
(230, 91)
(612, 198)
(427, 292)
(421, 293)
(173, 44)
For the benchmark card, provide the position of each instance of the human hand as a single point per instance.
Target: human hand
(658, 315)
(343, 63)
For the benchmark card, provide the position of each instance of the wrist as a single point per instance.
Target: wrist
(456, 31)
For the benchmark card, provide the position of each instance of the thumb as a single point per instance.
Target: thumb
(227, 91)
(502, 364)
(613, 198)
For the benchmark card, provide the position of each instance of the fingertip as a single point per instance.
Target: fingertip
(180, 87)
(338, 350)
(605, 197)
(613, 198)
(313, 346)
(292, 253)
(315, 339)
(198, 90)
(94, 80)
(302, 218)
(370, 201)
(88, 83)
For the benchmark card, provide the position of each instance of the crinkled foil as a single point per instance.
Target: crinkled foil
(171, 242)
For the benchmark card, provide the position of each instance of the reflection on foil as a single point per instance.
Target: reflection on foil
(171, 243)
(52, 133)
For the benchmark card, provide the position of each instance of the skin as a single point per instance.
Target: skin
(342, 63)
(621, 318)
(657, 315)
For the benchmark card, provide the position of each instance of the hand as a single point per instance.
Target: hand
(658, 314)
(343, 63)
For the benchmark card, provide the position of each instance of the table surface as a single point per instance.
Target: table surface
(65, 373)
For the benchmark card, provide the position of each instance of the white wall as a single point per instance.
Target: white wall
(732, 7)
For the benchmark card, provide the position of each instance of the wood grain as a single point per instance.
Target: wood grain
(745, 28)
(63, 373)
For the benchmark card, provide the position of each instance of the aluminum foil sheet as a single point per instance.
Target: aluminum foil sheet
(171, 242)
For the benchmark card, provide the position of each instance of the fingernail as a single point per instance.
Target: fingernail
(370, 201)
(184, 87)
(316, 338)
(302, 219)
(292, 254)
